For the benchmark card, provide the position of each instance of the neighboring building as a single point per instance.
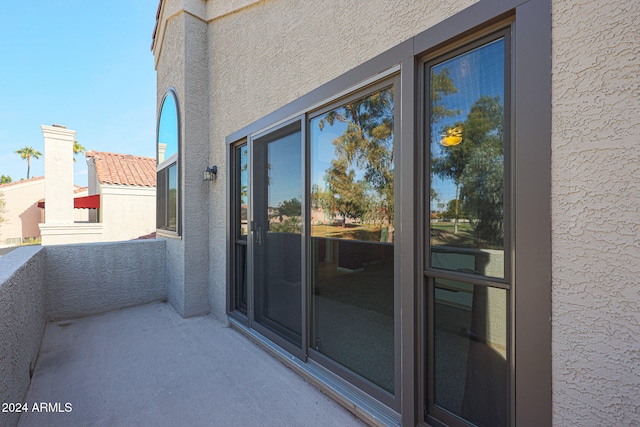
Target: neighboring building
(524, 112)
(22, 214)
(120, 200)
(127, 188)
(23, 211)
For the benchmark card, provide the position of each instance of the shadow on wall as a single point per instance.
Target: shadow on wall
(29, 219)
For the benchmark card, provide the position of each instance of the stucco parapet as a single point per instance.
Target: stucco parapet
(128, 190)
(76, 228)
(14, 260)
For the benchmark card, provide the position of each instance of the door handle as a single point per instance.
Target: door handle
(258, 236)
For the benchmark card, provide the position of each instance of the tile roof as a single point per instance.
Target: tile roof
(124, 169)
(22, 181)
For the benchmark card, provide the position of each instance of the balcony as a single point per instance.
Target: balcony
(88, 339)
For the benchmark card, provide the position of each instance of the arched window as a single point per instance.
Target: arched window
(168, 149)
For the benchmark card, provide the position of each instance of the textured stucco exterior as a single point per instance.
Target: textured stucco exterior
(58, 167)
(127, 211)
(39, 284)
(263, 54)
(22, 323)
(270, 53)
(183, 67)
(244, 59)
(87, 279)
(596, 220)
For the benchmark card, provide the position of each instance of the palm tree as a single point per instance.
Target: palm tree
(77, 149)
(27, 153)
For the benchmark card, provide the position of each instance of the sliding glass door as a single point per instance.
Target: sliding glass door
(352, 229)
(313, 219)
(277, 233)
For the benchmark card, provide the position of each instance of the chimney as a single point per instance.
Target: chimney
(58, 173)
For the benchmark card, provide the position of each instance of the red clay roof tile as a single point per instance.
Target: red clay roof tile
(124, 169)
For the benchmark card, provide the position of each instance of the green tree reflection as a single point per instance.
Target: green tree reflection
(361, 176)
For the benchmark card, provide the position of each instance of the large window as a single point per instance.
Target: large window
(167, 199)
(466, 268)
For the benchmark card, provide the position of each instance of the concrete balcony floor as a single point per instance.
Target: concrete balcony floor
(148, 366)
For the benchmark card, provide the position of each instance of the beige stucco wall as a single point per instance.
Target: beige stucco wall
(596, 213)
(270, 53)
(22, 213)
(127, 212)
(183, 66)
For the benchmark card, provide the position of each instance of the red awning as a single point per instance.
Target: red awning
(86, 202)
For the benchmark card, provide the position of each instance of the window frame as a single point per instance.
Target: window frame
(529, 303)
(432, 413)
(164, 168)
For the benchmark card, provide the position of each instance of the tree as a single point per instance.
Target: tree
(26, 153)
(452, 210)
(366, 145)
(77, 149)
(483, 135)
(441, 85)
(5, 179)
(348, 195)
(483, 176)
(289, 214)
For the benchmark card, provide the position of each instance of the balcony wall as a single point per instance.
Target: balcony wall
(39, 284)
(22, 322)
(87, 279)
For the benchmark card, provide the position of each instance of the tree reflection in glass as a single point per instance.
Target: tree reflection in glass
(352, 213)
(352, 170)
(467, 161)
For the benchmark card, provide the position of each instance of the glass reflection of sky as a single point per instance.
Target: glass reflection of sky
(323, 150)
(285, 169)
(479, 72)
(168, 127)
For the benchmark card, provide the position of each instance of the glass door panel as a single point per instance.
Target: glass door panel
(277, 233)
(352, 227)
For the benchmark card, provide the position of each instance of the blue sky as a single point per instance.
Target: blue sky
(83, 64)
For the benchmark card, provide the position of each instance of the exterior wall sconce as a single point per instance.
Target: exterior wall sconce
(210, 174)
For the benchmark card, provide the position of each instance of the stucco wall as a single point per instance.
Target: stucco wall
(22, 323)
(87, 279)
(270, 53)
(128, 212)
(22, 213)
(184, 67)
(170, 73)
(596, 220)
